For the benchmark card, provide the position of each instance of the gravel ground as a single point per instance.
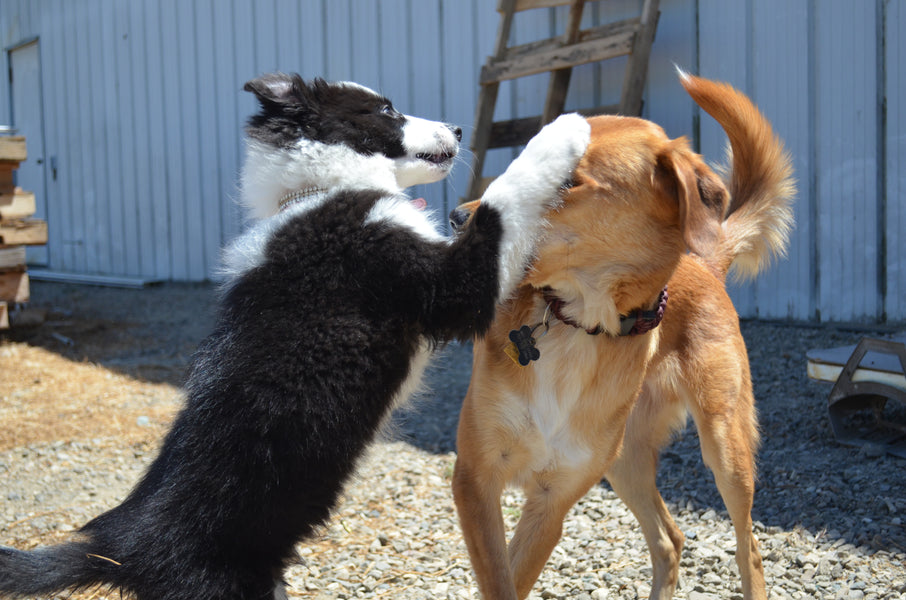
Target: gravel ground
(829, 517)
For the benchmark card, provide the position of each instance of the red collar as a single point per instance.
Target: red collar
(636, 322)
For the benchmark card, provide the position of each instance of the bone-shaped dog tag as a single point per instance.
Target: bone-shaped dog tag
(521, 348)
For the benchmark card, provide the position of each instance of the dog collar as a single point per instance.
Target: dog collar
(522, 350)
(293, 198)
(635, 323)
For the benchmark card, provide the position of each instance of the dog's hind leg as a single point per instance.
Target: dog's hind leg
(728, 441)
(633, 478)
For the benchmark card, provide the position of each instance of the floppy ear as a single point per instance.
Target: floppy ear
(276, 88)
(702, 198)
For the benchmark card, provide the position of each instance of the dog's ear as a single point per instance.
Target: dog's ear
(277, 88)
(701, 195)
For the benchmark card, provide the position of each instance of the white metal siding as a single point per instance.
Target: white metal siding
(143, 111)
(895, 171)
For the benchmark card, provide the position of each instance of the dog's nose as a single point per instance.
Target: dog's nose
(458, 218)
(457, 131)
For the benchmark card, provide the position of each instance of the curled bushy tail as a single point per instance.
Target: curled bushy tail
(759, 177)
(45, 571)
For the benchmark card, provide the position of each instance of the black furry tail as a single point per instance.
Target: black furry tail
(52, 569)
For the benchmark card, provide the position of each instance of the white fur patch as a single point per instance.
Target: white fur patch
(400, 211)
(269, 173)
(413, 380)
(246, 251)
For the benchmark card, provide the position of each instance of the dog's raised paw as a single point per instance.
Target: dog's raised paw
(564, 139)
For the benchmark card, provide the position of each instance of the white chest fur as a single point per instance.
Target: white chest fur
(546, 414)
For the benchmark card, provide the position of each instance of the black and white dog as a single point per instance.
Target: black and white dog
(334, 301)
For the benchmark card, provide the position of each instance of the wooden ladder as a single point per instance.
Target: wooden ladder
(558, 55)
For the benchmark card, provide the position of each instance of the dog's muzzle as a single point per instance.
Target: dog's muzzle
(457, 131)
(458, 218)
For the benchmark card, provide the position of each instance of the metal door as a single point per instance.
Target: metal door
(27, 107)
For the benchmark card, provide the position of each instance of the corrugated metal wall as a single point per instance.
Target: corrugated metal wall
(143, 111)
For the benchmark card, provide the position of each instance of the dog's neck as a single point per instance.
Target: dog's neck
(636, 322)
(270, 174)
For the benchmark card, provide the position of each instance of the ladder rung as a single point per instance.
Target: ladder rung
(516, 132)
(530, 4)
(585, 35)
(555, 56)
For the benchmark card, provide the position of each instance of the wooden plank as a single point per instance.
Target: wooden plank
(521, 5)
(17, 205)
(558, 58)
(487, 100)
(517, 132)
(876, 361)
(4, 315)
(12, 147)
(12, 258)
(14, 286)
(826, 364)
(637, 65)
(29, 232)
(7, 181)
(481, 134)
(625, 26)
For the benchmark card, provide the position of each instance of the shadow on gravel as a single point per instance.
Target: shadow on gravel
(148, 334)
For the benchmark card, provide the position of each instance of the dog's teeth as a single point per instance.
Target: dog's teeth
(434, 158)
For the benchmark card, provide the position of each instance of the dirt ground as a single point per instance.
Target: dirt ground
(125, 349)
(86, 396)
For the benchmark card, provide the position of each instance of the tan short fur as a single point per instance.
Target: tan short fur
(598, 406)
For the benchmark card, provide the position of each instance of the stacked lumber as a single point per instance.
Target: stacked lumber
(17, 228)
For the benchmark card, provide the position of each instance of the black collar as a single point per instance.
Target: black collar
(636, 322)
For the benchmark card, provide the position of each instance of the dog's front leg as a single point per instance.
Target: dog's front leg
(481, 520)
(484, 464)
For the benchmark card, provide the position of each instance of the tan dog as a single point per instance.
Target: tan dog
(612, 381)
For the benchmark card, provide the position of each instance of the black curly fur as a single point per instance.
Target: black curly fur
(309, 350)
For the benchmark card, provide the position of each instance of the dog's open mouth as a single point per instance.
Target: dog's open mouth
(437, 159)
